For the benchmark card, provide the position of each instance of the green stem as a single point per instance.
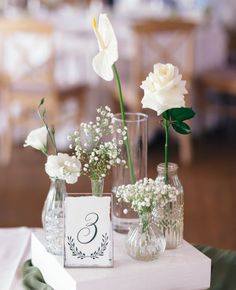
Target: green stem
(122, 109)
(166, 125)
(45, 151)
(51, 135)
(145, 221)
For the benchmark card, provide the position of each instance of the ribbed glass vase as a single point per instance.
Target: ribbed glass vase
(53, 217)
(145, 241)
(170, 218)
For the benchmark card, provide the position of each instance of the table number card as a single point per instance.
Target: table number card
(88, 232)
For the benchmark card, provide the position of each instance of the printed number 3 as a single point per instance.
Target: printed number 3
(88, 233)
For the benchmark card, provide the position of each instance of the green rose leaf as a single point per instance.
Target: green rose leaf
(166, 115)
(181, 114)
(181, 127)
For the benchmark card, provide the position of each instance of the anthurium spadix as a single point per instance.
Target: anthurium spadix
(108, 49)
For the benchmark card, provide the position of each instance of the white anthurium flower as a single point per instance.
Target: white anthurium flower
(37, 139)
(108, 48)
(64, 167)
(164, 89)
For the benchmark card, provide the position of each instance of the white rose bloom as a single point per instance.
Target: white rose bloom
(164, 89)
(37, 139)
(108, 48)
(64, 167)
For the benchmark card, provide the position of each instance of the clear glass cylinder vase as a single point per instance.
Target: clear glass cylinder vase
(97, 186)
(123, 216)
(145, 241)
(170, 218)
(53, 217)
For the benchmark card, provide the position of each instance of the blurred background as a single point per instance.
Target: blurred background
(46, 50)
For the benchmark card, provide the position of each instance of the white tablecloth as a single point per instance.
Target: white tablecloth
(14, 251)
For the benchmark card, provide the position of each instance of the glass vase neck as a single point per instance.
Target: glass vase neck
(144, 221)
(57, 190)
(172, 168)
(97, 186)
(57, 181)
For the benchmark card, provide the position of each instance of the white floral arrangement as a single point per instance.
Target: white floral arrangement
(58, 166)
(146, 194)
(164, 89)
(90, 146)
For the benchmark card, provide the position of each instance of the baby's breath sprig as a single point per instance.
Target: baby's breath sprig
(145, 194)
(95, 146)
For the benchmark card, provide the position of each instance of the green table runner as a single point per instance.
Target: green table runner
(223, 271)
(223, 268)
(32, 278)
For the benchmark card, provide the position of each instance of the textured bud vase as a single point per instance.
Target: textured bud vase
(53, 217)
(97, 186)
(145, 241)
(170, 218)
(123, 216)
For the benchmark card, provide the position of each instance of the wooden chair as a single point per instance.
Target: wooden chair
(165, 41)
(221, 80)
(31, 80)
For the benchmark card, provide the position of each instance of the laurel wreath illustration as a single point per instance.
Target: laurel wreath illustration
(81, 255)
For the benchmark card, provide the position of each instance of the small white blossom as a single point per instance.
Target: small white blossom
(125, 211)
(145, 194)
(97, 155)
(64, 167)
(37, 139)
